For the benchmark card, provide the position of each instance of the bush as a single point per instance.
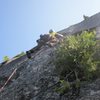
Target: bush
(19, 55)
(75, 55)
(6, 58)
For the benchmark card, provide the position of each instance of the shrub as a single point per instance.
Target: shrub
(6, 58)
(75, 55)
(19, 55)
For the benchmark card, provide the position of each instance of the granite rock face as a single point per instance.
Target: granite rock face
(91, 23)
(90, 91)
(32, 78)
(36, 78)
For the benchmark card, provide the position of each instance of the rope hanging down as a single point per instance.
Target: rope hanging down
(12, 74)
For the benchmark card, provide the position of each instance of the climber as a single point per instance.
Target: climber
(55, 34)
(46, 39)
(54, 38)
(52, 33)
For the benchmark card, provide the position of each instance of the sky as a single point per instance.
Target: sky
(22, 21)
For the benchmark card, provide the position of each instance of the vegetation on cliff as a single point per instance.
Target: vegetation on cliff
(76, 60)
(19, 55)
(6, 58)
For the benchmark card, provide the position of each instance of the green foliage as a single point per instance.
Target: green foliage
(6, 58)
(64, 87)
(76, 53)
(19, 55)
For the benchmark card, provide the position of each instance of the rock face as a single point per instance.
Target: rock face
(36, 78)
(32, 78)
(90, 91)
(91, 23)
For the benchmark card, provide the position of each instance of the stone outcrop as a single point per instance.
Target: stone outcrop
(92, 23)
(36, 78)
(31, 78)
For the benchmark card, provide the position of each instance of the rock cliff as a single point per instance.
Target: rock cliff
(36, 78)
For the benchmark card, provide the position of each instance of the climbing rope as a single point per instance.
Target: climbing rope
(12, 74)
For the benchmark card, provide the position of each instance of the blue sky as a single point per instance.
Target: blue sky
(22, 21)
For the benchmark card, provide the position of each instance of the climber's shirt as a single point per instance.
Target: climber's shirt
(52, 34)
